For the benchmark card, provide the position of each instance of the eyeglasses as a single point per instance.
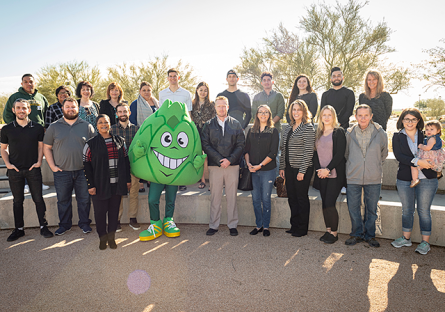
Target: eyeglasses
(410, 121)
(64, 92)
(263, 113)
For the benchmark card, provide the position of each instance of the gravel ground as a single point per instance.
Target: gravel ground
(195, 272)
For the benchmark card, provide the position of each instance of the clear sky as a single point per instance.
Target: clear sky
(209, 35)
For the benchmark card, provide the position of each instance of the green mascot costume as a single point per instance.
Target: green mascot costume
(167, 152)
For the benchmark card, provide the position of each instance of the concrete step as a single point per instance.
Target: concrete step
(4, 182)
(193, 206)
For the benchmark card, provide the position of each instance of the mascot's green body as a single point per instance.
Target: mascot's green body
(167, 148)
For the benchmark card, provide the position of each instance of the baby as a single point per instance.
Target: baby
(430, 149)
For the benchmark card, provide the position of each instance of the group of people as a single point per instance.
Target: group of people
(86, 146)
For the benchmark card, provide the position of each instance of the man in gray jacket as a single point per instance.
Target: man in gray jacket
(366, 150)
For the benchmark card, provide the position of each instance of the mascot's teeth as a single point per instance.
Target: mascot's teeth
(169, 162)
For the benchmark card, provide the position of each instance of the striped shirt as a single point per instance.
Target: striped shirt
(300, 145)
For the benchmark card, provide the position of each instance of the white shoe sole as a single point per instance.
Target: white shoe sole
(423, 253)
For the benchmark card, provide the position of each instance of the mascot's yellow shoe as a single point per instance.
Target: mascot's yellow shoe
(153, 231)
(170, 229)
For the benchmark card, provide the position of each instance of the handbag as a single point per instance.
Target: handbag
(245, 177)
(280, 184)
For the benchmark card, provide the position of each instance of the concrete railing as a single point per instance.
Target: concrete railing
(389, 174)
(193, 206)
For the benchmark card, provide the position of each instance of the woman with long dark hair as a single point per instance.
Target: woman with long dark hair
(202, 111)
(302, 90)
(297, 149)
(330, 166)
(261, 153)
(107, 170)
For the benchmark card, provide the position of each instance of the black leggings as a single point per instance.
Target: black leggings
(298, 199)
(101, 208)
(329, 191)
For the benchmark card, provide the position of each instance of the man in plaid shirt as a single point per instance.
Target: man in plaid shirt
(127, 130)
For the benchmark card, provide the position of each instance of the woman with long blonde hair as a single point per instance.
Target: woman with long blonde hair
(376, 97)
(330, 166)
(261, 153)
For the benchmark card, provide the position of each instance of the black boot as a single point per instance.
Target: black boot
(103, 242)
(111, 241)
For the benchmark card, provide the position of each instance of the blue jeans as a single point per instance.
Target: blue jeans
(423, 193)
(65, 182)
(363, 229)
(262, 183)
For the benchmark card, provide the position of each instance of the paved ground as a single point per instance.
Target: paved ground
(196, 272)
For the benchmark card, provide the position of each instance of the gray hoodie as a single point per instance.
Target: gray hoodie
(369, 169)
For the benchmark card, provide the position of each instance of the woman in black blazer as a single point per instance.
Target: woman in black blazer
(405, 143)
(115, 95)
(330, 166)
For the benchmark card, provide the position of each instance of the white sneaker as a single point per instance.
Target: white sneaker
(26, 190)
(45, 187)
(343, 190)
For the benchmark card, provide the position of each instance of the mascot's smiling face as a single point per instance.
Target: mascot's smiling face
(165, 147)
(170, 146)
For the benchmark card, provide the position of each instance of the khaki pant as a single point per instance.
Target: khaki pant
(220, 177)
(134, 200)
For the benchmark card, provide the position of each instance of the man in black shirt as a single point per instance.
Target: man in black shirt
(239, 101)
(339, 97)
(23, 160)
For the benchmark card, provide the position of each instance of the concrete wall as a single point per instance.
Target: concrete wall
(193, 206)
(389, 174)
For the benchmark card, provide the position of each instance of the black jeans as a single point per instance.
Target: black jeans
(101, 208)
(329, 191)
(17, 184)
(297, 196)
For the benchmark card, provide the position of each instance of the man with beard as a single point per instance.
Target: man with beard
(22, 152)
(127, 130)
(239, 101)
(341, 98)
(63, 145)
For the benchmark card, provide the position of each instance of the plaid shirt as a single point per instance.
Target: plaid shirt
(127, 133)
(53, 113)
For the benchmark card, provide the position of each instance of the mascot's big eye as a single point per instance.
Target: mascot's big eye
(166, 139)
(183, 139)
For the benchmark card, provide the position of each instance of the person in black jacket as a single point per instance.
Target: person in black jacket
(404, 144)
(330, 166)
(302, 90)
(223, 141)
(115, 95)
(107, 170)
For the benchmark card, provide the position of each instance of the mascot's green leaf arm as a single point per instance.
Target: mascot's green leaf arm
(167, 148)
